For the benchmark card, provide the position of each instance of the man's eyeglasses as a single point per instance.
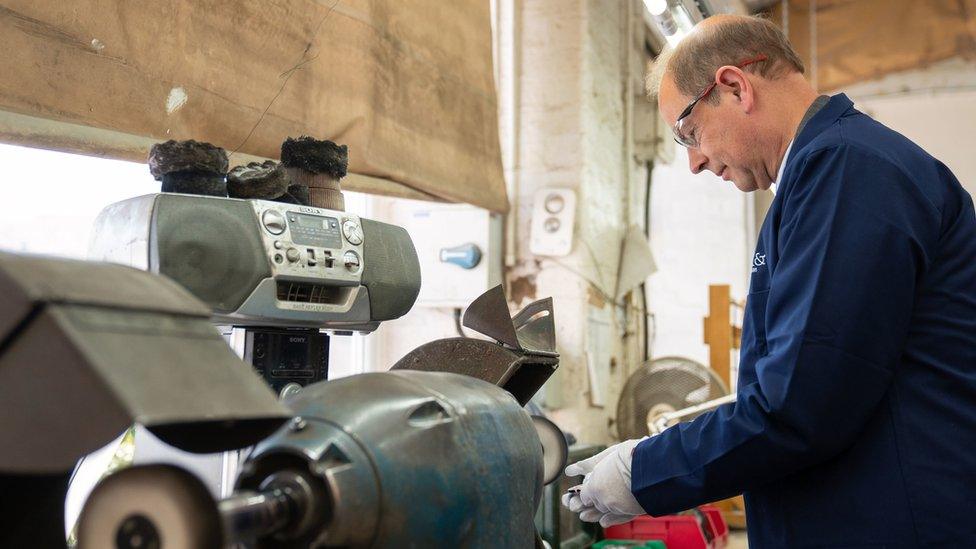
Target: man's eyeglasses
(689, 140)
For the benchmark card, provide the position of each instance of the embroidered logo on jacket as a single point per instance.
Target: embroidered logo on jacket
(758, 260)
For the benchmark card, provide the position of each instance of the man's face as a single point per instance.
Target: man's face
(728, 139)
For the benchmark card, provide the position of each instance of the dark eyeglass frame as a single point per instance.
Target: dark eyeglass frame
(688, 141)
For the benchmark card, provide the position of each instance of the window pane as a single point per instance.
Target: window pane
(51, 198)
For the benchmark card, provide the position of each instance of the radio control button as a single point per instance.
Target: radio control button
(351, 260)
(292, 254)
(289, 390)
(278, 245)
(353, 232)
(273, 221)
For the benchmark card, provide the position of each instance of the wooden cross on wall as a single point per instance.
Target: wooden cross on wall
(722, 336)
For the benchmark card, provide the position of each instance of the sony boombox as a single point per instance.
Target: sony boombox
(263, 263)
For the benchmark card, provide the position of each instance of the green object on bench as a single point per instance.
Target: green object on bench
(629, 544)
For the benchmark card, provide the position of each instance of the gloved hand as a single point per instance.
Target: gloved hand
(605, 495)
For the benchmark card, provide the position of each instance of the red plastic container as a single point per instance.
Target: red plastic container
(707, 530)
(719, 527)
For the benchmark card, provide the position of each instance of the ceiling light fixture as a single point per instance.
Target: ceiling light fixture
(673, 21)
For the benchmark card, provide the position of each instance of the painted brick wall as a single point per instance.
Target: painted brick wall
(699, 237)
(572, 135)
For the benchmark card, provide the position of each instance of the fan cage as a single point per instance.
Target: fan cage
(661, 385)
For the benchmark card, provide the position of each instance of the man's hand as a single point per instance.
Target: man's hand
(604, 496)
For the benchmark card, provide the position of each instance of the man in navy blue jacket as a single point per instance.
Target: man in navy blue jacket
(855, 421)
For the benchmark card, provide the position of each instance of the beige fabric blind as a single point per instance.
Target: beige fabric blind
(407, 84)
(859, 40)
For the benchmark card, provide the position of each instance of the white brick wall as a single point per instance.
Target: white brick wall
(573, 135)
(698, 234)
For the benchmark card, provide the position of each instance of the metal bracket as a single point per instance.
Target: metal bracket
(531, 330)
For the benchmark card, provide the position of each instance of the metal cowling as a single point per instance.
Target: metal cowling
(430, 458)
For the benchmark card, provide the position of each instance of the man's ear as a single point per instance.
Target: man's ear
(733, 80)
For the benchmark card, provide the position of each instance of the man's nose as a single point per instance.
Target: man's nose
(696, 161)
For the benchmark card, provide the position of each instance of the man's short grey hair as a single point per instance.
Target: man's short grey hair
(730, 41)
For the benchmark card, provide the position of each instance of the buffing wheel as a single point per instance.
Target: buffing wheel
(315, 168)
(186, 156)
(267, 181)
(315, 156)
(297, 194)
(555, 450)
(189, 167)
(150, 507)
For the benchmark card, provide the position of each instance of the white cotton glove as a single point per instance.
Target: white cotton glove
(605, 495)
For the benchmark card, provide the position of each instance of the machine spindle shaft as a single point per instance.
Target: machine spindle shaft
(251, 515)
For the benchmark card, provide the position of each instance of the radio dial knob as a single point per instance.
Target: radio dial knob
(353, 232)
(273, 222)
(351, 260)
(292, 255)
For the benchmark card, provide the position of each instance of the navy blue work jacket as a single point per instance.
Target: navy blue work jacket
(855, 422)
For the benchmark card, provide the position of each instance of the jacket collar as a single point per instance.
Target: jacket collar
(834, 109)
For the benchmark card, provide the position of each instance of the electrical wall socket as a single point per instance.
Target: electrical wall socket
(553, 220)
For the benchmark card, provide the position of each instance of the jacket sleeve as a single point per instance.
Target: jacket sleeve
(851, 247)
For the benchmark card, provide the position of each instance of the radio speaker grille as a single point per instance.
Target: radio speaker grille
(213, 248)
(391, 270)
